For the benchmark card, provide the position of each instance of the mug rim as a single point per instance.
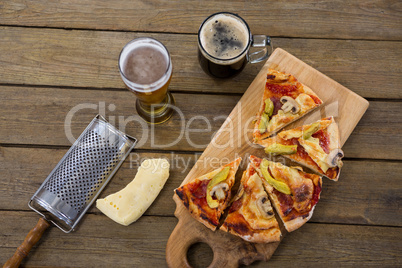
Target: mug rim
(231, 14)
(146, 87)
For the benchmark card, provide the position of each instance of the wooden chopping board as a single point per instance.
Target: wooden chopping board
(234, 139)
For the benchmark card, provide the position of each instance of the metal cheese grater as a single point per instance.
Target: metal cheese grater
(77, 180)
(79, 177)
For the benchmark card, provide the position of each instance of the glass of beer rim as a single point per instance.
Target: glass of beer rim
(153, 106)
(144, 88)
(230, 60)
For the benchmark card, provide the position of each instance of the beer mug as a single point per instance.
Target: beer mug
(224, 43)
(146, 68)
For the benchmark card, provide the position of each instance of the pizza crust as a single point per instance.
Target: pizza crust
(265, 236)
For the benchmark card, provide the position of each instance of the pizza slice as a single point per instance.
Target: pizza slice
(316, 146)
(251, 216)
(284, 101)
(206, 197)
(294, 193)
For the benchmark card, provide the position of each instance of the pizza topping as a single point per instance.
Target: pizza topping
(219, 177)
(311, 130)
(219, 190)
(316, 195)
(315, 151)
(264, 205)
(262, 126)
(290, 134)
(278, 185)
(316, 99)
(269, 107)
(277, 105)
(334, 158)
(268, 110)
(235, 206)
(199, 189)
(280, 149)
(285, 201)
(301, 187)
(297, 167)
(305, 102)
(255, 203)
(324, 139)
(289, 105)
(282, 89)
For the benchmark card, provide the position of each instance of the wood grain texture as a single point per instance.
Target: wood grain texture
(324, 19)
(30, 241)
(42, 113)
(59, 54)
(24, 169)
(99, 242)
(77, 58)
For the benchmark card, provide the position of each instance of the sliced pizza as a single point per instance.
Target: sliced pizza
(294, 193)
(316, 146)
(251, 216)
(206, 197)
(284, 101)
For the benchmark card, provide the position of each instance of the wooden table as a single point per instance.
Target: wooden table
(58, 55)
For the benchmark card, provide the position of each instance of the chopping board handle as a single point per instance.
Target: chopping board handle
(30, 240)
(188, 231)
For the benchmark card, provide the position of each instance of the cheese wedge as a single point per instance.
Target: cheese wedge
(128, 204)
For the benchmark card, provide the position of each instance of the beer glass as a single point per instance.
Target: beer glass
(146, 68)
(225, 43)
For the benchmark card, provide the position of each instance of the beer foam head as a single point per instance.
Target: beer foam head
(224, 37)
(148, 70)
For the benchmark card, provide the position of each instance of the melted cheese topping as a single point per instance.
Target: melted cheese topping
(306, 103)
(280, 119)
(249, 208)
(291, 133)
(312, 145)
(315, 151)
(302, 189)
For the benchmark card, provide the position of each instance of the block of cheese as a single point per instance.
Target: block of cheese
(128, 204)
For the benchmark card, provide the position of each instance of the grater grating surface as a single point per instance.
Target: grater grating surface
(73, 185)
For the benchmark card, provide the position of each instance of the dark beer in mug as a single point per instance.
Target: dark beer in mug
(146, 69)
(223, 42)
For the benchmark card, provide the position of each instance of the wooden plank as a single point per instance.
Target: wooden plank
(42, 113)
(368, 192)
(339, 245)
(89, 59)
(334, 19)
(101, 242)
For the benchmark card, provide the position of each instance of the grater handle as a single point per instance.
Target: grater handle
(30, 240)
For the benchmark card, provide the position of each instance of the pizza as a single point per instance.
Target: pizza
(316, 146)
(284, 100)
(294, 193)
(206, 197)
(251, 215)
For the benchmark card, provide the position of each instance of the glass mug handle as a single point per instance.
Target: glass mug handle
(259, 41)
